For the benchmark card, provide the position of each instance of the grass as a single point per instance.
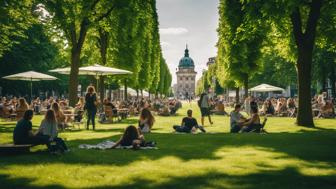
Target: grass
(288, 157)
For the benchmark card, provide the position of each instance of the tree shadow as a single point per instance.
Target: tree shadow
(289, 177)
(286, 178)
(308, 146)
(26, 183)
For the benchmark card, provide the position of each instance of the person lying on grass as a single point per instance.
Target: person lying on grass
(188, 124)
(132, 137)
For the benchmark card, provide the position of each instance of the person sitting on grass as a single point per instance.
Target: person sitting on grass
(60, 117)
(146, 121)
(132, 137)
(48, 128)
(253, 124)
(236, 119)
(23, 132)
(188, 123)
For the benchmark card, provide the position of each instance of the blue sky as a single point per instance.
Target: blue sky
(188, 21)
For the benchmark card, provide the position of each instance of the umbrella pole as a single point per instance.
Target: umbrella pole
(31, 89)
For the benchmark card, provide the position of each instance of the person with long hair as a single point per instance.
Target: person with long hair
(22, 106)
(253, 123)
(130, 137)
(48, 128)
(79, 109)
(146, 121)
(60, 117)
(91, 106)
(23, 131)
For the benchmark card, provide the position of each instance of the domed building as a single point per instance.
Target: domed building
(185, 74)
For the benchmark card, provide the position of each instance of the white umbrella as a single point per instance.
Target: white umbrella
(133, 92)
(266, 88)
(96, 70)
(99, 70)
(30, 76)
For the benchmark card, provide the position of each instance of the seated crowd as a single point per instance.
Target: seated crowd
(322, 107)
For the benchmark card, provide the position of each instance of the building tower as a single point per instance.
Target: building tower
(185, 77)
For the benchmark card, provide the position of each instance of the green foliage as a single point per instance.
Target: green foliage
(15, 18)
(240, 40)
(36, 52)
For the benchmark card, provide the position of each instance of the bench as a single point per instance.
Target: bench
(12, 149)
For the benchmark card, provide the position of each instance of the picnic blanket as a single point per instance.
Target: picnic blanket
(108, 144)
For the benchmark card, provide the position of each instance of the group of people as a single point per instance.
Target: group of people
(46, 134)
(322, 106)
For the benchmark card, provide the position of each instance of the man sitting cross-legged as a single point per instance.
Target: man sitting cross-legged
(188, 123)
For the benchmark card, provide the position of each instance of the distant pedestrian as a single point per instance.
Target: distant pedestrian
(204, 104)
(91, 106)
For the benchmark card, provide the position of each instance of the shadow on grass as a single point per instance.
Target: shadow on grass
(288, 177)
(308, 146)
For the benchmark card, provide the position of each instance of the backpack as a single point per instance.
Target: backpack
(199, 102)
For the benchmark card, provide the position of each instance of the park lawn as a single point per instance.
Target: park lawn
(288, 157)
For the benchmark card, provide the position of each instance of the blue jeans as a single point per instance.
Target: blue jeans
(91, 114)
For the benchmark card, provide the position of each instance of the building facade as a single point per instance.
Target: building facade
(186, 77)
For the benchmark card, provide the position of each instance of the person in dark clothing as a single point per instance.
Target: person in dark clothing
(130, 137)
(91, 106)
(23, 133)
(187, 124)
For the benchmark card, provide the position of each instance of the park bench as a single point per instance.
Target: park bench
(13, 149)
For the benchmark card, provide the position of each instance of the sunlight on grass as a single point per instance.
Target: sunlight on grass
(213, 160)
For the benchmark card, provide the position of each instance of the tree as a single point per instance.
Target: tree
(239, 44)
(298, 23)
(74, 19)
(34, 52)
(15, 18)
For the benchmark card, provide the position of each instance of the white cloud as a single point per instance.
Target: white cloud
(173, 31)
(165, 44)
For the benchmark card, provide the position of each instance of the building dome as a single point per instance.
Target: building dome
(186, 61)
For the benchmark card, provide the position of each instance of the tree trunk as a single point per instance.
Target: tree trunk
(77, 44)
(103, 45)
(324, 81)
(246, 82)
(102, 87)
(305, 115)
(73, 81)
(333, 81)
(237, 95)
(125, 90)
(305, 45)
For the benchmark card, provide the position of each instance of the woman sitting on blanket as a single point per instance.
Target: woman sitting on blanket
(146, 121)
(48, 128)
(131, 137)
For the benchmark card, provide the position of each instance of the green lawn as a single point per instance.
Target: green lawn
(288, 157)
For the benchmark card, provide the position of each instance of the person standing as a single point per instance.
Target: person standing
(91, 106)
(204, 104)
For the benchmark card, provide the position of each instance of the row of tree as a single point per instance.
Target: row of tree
(276, 41)
(118, 33)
